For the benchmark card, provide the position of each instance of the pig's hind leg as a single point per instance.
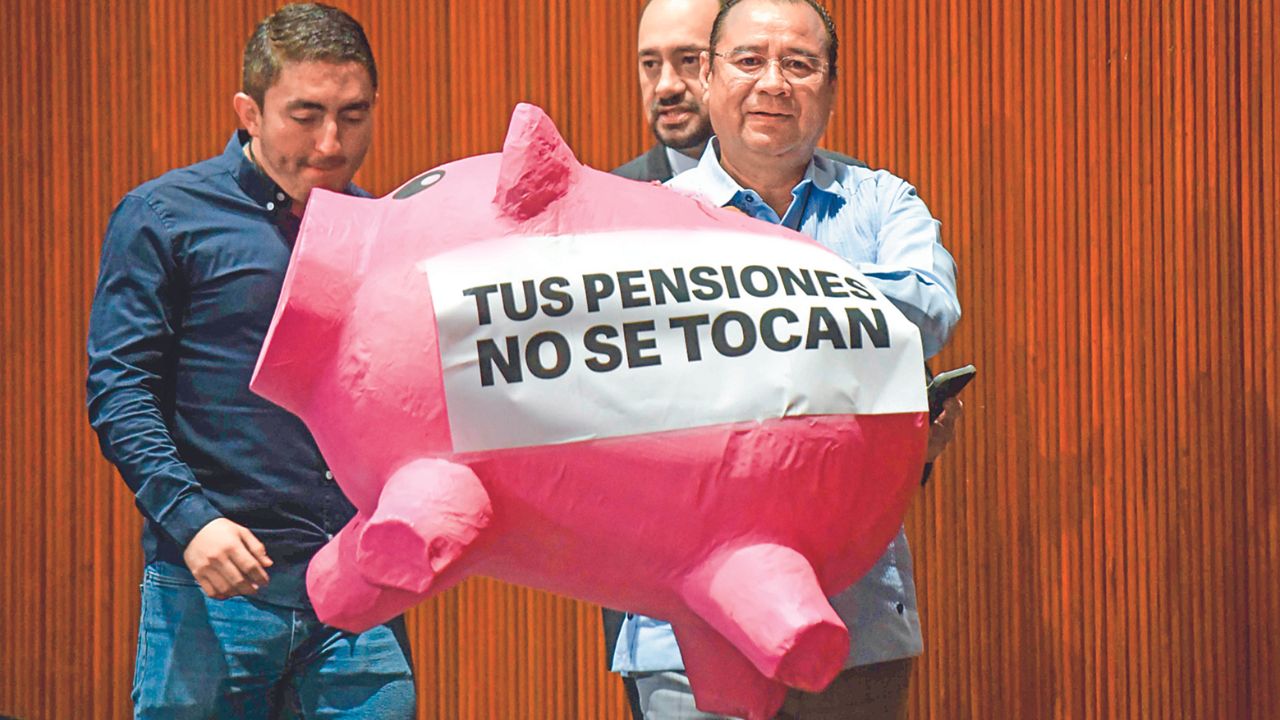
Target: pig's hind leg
(765, 599)
(723, 681)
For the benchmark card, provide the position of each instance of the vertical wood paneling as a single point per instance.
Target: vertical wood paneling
(1102, 541)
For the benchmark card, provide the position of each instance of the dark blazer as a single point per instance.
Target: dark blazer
(652, 165)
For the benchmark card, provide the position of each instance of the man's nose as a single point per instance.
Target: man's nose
(329, 143)
(669, 82)
(772, 80)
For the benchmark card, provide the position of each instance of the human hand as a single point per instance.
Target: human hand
(943, 429)
(227, 560)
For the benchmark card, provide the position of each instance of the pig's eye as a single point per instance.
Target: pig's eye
(418, 184)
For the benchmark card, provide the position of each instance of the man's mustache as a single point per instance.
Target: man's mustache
(328, 163)
(674, 104)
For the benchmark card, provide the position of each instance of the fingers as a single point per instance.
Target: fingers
(213, 584)
(227, 560)
(943, 429)
(256, 547)
(952, 411)
(247, 559)
(221, 578)
(227, 566)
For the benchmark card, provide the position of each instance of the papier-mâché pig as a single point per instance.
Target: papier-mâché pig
(520, 367)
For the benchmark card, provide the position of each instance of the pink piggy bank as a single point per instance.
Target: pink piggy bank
(521, 367)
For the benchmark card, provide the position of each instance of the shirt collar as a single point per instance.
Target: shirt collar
(822, 174)
(254, 180)
(716, 186)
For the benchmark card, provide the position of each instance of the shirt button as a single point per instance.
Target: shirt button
(280, 196)
(271, 206)
(328, 474)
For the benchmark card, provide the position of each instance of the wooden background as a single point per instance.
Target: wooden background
(1103, 540)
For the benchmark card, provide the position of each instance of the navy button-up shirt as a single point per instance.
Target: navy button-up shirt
(192, 265)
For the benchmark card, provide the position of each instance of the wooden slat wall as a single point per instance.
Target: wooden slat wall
(1103, 540)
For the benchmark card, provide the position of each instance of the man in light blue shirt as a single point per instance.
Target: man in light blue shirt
(770, 80)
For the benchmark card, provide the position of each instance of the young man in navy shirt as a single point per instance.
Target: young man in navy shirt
(235, 495)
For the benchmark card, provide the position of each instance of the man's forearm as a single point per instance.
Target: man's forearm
(135, 438)
(929, 306)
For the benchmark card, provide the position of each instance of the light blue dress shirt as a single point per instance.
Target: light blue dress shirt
(877, 222)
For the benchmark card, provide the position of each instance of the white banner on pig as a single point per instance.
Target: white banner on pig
(557, 339)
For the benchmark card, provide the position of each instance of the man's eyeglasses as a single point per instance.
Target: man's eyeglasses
(796, 68)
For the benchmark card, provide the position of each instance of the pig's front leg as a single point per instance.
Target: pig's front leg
(382, 564)
(340, 595)
(429, 512)
(765, 600)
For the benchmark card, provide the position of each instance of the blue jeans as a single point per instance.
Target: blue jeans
(241, 658)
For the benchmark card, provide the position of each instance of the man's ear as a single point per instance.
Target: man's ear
(704, 73)
(248, 111)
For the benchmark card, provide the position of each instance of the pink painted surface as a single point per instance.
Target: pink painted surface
(735, 532)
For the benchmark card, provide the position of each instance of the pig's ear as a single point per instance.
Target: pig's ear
(537, 166)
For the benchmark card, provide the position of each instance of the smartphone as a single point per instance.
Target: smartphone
(946, 385)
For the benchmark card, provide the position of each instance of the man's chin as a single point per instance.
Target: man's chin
(332, 184)
(773, 144)
(684, 140)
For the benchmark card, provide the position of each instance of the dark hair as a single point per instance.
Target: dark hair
(303, 32)
(833, 40)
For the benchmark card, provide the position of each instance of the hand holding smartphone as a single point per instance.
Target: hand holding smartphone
(946, 385)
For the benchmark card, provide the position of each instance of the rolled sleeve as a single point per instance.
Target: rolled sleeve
(912, 268)
(130, 347)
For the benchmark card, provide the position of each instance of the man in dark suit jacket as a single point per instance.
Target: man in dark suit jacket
(672, 36)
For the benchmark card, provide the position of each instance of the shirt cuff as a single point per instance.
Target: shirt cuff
(186, 519)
